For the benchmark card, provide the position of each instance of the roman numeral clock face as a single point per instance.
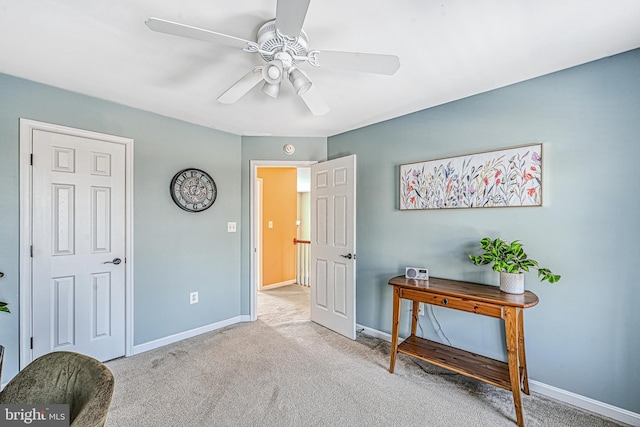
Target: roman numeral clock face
(193, 190)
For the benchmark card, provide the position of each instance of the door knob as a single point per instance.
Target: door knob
(348, 256)
(115, 261)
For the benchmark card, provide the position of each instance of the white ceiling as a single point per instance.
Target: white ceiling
(447, 49)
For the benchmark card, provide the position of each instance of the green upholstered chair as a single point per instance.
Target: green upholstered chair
(83, 382)
(1, 360)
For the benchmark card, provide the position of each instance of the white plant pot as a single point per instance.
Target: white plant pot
(512, 283)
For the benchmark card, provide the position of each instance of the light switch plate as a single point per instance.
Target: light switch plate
(231, 227)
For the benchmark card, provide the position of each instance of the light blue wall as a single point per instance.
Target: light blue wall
(268, 148)
(169, 242)
(584, 335)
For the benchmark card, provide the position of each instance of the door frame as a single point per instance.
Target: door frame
(255, 252)
(257, 224)
(27, 127)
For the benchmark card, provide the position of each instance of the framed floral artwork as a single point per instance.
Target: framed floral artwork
(503, 178)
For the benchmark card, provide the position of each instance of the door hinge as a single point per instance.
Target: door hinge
(31, 251)
(31, 343)
(31, 159)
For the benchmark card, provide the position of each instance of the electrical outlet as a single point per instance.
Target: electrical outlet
(231, 227)
(421, 309)
(193, 298)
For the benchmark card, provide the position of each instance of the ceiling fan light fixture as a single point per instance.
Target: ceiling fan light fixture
(271, 89)
(300, 82)
(272, 72)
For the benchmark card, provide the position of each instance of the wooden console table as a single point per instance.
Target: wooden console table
(473, 298)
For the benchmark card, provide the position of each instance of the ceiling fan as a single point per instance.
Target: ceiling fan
(284, 46)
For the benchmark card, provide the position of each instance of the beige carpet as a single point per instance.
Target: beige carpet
(284, 370)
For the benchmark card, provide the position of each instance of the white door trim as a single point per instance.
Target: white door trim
(26, 218)
(257, 224)
(253, 166)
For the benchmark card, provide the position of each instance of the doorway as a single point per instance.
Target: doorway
(332, 241)
(282, 226)
(256, 219)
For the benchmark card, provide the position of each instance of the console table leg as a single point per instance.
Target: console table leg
(414, 317)
(511, 330)
(395, 328)
(521, 353)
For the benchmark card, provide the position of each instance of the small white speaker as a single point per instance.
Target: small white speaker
(419, 273)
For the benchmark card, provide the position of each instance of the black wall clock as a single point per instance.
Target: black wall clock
(193, 190)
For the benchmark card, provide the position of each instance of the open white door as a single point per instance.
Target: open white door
(333, 245)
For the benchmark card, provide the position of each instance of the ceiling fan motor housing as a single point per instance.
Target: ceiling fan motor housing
(272, 43)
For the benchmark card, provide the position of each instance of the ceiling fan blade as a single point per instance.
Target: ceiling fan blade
(315, 101)
(355, 61)
(290, 16)
(242, 86)
(182, 30)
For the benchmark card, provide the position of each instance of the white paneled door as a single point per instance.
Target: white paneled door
(333, 245)
(78, 274)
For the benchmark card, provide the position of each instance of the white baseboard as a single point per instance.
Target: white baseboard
(587, 403)
(582, 402)
(141, 348)
(374, 333)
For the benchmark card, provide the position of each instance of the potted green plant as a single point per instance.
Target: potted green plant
(511, 261)
(3, 305)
